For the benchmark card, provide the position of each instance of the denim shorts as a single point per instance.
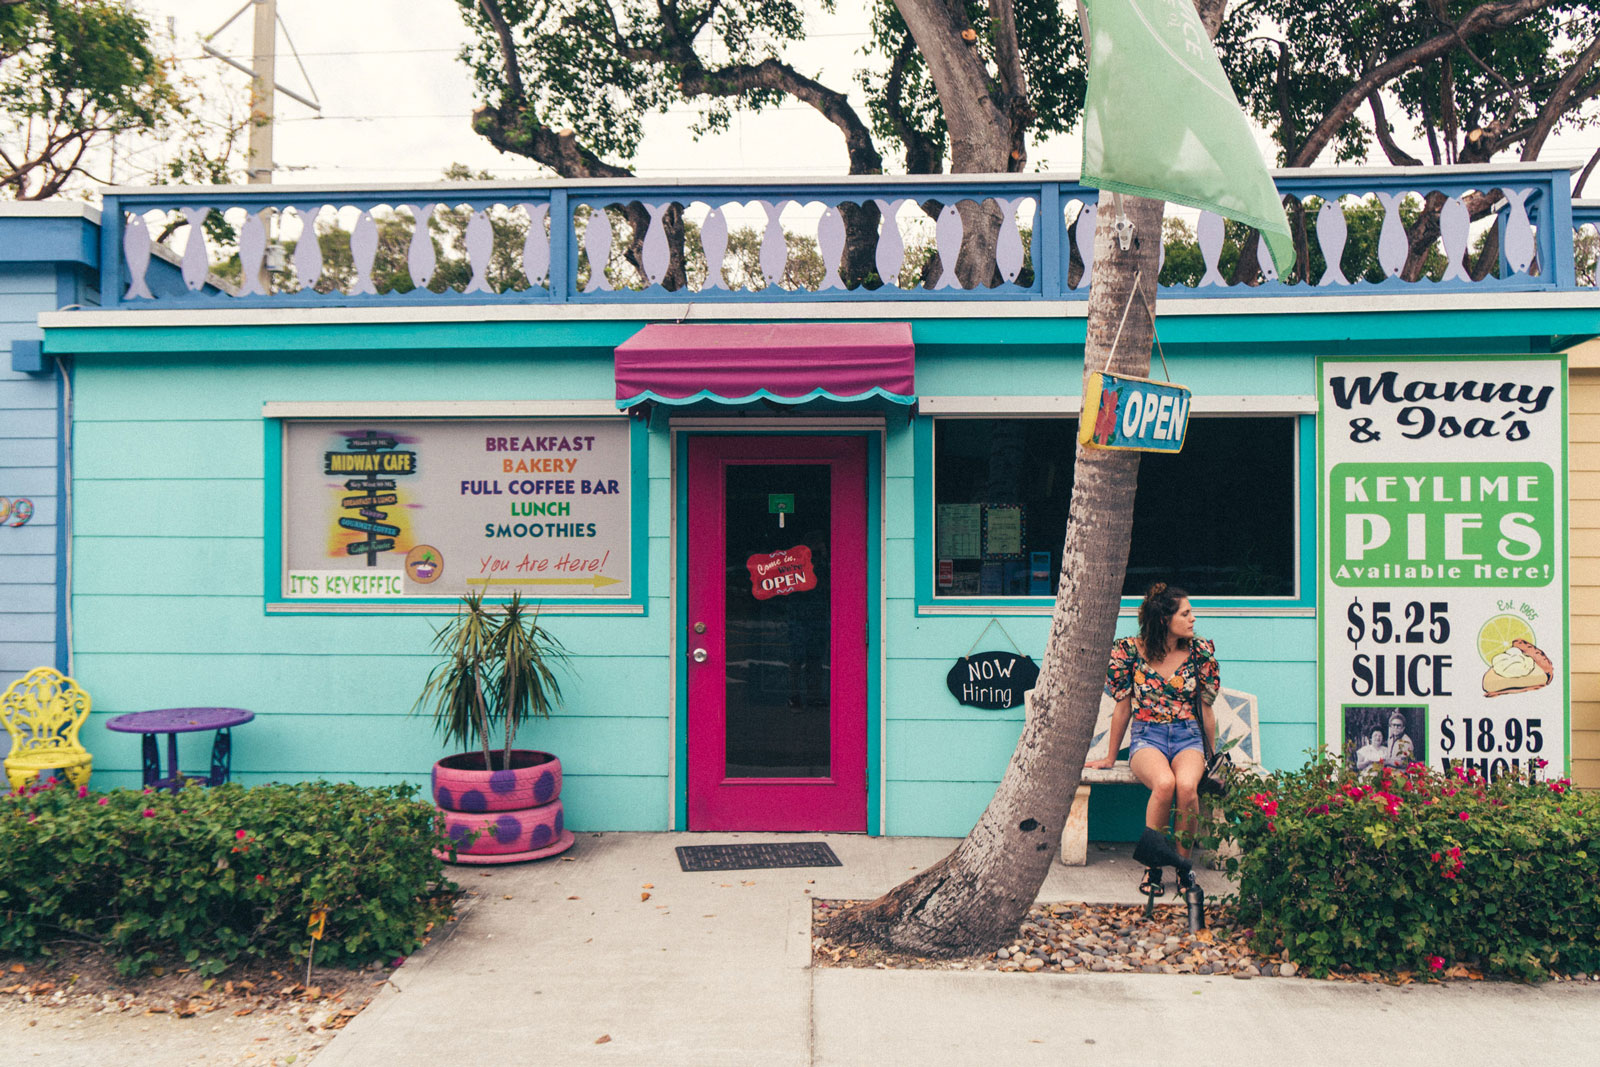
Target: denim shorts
(1167, 738)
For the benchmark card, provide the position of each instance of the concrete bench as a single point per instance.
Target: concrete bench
(1235, 713)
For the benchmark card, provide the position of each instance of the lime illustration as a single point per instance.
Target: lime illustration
(1498, 634)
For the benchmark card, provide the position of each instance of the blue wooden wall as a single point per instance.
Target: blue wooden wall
(30, 427)
(168, 588)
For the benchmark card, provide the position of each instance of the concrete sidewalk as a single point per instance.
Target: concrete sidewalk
(563, 962)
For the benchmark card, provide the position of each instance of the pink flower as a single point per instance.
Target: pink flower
(1465, 816)
(261, 878)
(83, 791)
(397, 961)
(149, 813)
(1265, 802)
(1435, 963)
(103, 800)
(1436, 857)
(1270, 827)
(1541, 763)
(239, 835)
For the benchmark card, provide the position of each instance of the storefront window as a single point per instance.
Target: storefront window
(1217, 519)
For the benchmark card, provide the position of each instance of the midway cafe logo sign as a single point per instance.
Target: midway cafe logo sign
(1442, 610)
(992, 680)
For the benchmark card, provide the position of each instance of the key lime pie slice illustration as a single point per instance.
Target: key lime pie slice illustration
(1516, 664)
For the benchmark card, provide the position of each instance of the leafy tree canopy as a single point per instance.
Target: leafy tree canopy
(963, 86)
(72, 73)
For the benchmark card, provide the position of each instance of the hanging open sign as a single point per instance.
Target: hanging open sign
(1134, 414)
(781, 573)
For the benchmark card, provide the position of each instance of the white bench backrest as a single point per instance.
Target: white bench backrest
(1236, 715)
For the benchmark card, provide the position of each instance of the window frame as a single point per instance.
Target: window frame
(1301, 410)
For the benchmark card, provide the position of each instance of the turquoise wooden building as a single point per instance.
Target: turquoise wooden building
(765, 508)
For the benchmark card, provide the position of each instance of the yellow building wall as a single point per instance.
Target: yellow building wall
(1583, 492)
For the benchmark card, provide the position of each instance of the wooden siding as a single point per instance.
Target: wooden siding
(1583, 428)
(29, 434)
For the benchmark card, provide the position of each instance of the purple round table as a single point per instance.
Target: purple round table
(175, 721)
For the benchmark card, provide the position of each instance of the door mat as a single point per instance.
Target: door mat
(755, 857)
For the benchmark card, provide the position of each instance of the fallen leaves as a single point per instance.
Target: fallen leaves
(603, 1039)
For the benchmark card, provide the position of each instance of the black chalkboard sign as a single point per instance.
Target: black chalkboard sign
(992, 680)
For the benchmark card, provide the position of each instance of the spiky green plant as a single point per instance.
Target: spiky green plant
(495, 671)
(523, 652)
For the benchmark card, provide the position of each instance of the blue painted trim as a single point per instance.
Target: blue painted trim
(27, 356)
(112, 286)
(1307, 330)
(1048, 243)
(1550, 213)
(680, 676)
(63, 637)
(271, 512)
(922, 486)
(272, 544)
(762, 394)
(561, 281)
(63, 240)
(1563, 269)
(875, 640)
(639, 510)
(1310, 520)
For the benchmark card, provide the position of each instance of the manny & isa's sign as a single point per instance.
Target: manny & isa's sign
(1443, 608)
(1134, 414)
(992, 680)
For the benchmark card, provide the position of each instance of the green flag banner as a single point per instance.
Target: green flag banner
(1161, 121)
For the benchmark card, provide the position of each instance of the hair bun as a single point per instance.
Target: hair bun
(1157, 589)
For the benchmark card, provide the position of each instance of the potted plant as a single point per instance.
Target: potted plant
(498, 804)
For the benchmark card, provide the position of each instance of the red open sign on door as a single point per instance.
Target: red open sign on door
(780, 573)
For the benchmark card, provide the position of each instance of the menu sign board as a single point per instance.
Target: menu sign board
(1443, 608)
(393, 509)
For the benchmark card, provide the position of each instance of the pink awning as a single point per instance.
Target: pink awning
(790, 362)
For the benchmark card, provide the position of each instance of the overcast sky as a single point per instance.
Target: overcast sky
(396, 101)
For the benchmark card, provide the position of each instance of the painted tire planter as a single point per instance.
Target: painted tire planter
(517, 810)
(505, 832)
(461, 784)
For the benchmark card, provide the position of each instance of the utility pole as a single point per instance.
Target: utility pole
(263, 82)
(263, 65)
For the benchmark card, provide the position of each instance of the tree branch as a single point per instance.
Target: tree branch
(772, 74)
(1556, 104)
(1577, 187)
(1484, 17)
(922, 150)
(508, 48)
(1398, 156)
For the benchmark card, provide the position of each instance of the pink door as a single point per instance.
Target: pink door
(777, 637)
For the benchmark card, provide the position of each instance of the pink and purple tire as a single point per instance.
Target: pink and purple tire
(461, 784)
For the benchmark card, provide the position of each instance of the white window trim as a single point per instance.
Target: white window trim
(438, 409)
(1070, 405)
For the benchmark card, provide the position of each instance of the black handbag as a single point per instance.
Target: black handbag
(1214, 781)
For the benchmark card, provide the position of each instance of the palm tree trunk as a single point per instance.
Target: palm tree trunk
(975, 898)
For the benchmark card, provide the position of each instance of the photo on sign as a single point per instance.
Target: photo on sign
(1391, 736)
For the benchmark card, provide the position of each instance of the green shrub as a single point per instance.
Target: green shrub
(207, 876)
(1416, 870)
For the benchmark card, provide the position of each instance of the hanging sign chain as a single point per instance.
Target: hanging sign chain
(993, 623)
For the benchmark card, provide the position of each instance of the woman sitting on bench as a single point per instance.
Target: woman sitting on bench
(1165, 680)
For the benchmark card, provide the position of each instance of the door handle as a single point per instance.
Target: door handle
(698, 655)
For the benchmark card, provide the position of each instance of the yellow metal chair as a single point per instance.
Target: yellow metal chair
(42, 711)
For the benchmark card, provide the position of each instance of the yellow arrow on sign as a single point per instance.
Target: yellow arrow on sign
(599, 581)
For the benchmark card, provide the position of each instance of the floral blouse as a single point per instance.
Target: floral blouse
(1159, 699)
